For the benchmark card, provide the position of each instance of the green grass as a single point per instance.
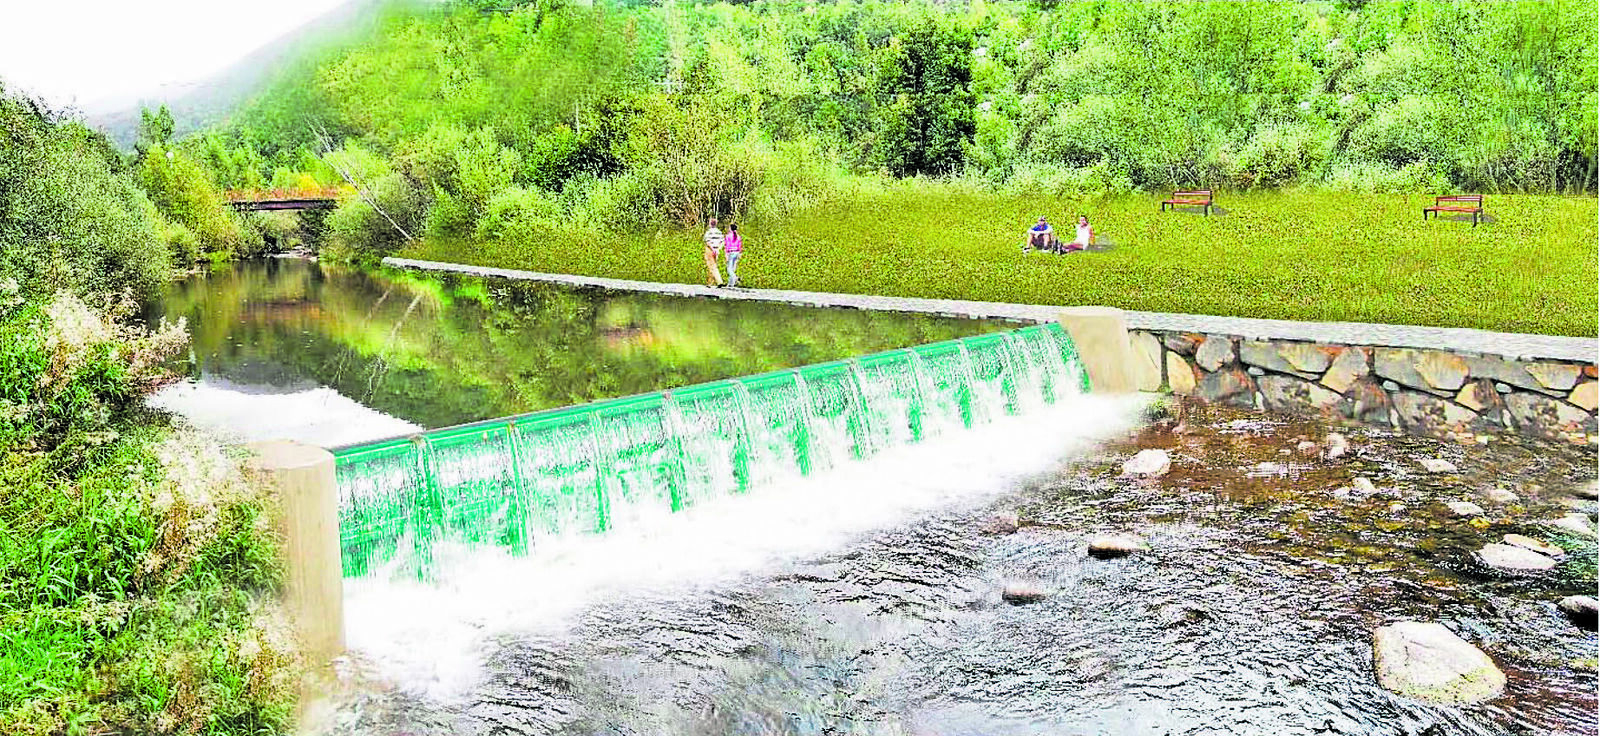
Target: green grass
(1288, 255)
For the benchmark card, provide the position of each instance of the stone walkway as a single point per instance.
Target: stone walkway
(1516, 346)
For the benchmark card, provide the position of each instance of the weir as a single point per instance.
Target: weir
(512, 482)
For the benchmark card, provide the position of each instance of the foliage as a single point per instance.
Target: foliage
(136, 574)
(638, 116)
(184, 193)
(70, 217)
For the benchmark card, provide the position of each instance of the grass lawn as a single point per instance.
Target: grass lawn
(1287, 255)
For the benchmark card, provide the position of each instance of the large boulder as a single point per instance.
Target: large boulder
(1427, 662)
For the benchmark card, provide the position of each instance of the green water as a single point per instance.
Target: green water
(442, 350)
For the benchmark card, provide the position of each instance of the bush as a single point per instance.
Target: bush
(69, 218)
(519, 213)
(184, 193)
(359, 231)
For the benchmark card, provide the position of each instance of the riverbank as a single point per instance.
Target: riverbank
(1297, 255)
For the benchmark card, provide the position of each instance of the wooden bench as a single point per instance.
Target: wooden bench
(1195, 198)
(1472, 203)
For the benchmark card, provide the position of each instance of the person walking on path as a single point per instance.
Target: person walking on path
(713, 239)
(733, 246)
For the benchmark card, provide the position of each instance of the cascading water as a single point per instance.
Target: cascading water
(511, 483)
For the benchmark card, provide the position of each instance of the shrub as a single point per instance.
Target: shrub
(359, 231)
(68, 218)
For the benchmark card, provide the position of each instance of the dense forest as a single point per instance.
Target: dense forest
(480, 118)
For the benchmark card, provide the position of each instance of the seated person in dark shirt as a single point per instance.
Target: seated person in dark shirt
(1040, 237)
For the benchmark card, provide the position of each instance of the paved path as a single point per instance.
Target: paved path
(1507, 344)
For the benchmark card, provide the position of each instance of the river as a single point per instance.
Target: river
(868, 600)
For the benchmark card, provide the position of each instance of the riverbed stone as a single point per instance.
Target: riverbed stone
(1349, 367)
(1590, 490)
(1148, 464)
(1544, 416)
(1465, 508)
(1578, 524)
(1364, 486)
(1229, 386)
(1108, 546)
(1420, 412)
(1304, 359)
(1582, 609)
(1146, 360)
(1437, 465)
(1555, 376)
(1537, 545)
(1182, 343)
(1180, 375)
(1585, 396)
(1214, 352)
(1513, 559)
(1287, 393)
(1500, 495)
(1018, 594)
(1428, 662)
(1335, 446)
(1005, 522)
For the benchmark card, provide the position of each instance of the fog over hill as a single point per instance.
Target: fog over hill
(207, 102)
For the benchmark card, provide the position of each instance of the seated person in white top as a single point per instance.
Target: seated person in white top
(1085, 236)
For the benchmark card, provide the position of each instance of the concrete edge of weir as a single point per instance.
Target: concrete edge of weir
(1512, 345)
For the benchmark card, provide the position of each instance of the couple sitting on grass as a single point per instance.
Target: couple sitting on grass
(1042, 237)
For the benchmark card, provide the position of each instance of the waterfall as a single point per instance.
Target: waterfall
(514, 482)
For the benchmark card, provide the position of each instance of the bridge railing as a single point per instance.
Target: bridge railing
(280, 195)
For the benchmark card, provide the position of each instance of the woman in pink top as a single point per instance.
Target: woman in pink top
(733, 245)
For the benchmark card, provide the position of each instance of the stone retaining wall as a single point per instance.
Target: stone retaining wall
(1435, 392)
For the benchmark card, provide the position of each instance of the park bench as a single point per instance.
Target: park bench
(1194, 198)
(1472, 203)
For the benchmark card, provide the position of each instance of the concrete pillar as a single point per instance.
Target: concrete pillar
(1101, 336)
(308, 518)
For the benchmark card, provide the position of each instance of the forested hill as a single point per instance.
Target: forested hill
(479, 118)
(207, 103)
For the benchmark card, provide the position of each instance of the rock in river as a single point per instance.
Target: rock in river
(1147, 464)
(1005, 522)
(1018, 594)
(1581, 609)
(1335, 446)
(1107, 546)
(1537, 545)
(1465, 508)
(1515, 559)
(1438, 465)
(1427, 662)
(1575, 523)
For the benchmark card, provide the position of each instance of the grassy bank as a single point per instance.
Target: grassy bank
(1290, 255)
(138, 576)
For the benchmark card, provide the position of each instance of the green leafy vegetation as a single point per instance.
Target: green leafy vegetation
(138, 578)
(581, 137)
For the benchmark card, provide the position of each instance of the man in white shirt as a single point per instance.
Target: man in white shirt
(713, 238)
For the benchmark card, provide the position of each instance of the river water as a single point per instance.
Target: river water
(867, 600)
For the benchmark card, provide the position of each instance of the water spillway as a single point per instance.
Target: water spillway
(512, 482)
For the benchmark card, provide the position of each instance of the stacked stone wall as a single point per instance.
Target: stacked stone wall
(1427, 391)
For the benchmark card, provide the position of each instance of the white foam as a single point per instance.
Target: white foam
(318, 416)
(430, 638)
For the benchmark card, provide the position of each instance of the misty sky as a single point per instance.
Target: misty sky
(95, 53)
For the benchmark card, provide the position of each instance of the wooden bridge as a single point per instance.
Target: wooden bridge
(249, 200)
